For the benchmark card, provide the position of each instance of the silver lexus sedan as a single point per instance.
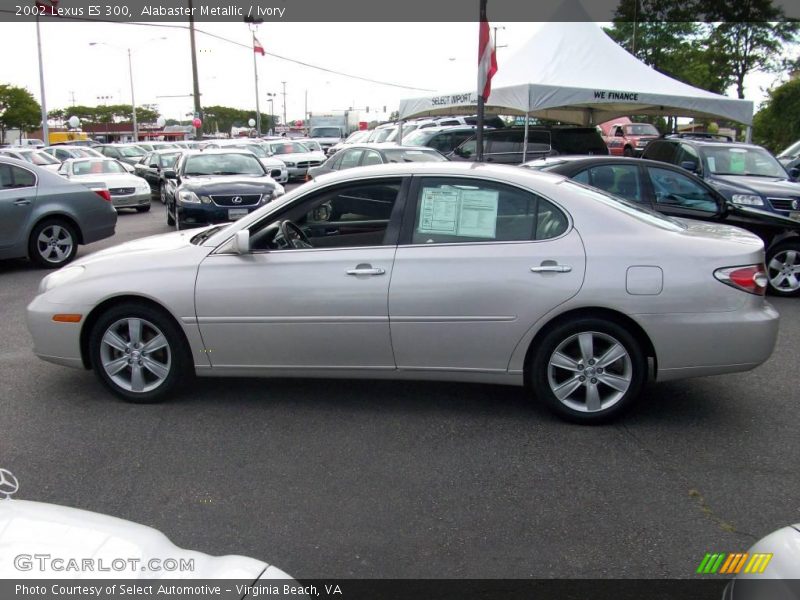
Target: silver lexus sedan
(437, 271)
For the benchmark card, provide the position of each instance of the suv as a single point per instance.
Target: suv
(443, 139)
(505, 146)
(677, 193)
(745, 174)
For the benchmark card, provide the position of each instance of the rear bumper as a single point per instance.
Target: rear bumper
(701, 344)
(132, 200)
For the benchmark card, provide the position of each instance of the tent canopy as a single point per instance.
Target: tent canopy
(574, 73)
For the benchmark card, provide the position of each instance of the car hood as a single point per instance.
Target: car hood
(301, 156)
(761, 185)
(36, 528)
(270, 162)
(229, 184)
(719, 231)
(156, 245)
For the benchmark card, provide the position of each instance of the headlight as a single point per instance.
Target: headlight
(60, 277)
(188, 197)
(289, 164)
(279, 191)
(748, 199)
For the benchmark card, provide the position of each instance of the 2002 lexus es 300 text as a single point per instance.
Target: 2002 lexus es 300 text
(441, 271)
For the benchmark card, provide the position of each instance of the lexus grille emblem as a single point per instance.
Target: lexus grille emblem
(8, 484)
(237, 200)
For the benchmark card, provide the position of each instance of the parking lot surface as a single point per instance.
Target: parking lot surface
(329, 478)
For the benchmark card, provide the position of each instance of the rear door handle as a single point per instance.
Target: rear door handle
(552, 269)
(366, 270)
(22, 202)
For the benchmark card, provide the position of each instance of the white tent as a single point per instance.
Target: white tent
(573, 72)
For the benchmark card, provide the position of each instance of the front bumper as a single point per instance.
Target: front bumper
(54, 342)
(208, 214)
(132, 200)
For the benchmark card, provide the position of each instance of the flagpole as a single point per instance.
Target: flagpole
(255, 74)
(45, 129)
(481, 100)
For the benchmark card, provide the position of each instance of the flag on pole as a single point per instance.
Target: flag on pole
(50, 7)
(487, 57)
(257, 47)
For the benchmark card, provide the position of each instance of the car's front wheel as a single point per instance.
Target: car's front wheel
(783, 269)
(588, 370)
(53, 243)
(138, 352)
(162, 192)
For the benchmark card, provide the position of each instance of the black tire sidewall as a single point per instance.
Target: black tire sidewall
(770, 255)
(180, 358)
(33, 250)
(554, 337)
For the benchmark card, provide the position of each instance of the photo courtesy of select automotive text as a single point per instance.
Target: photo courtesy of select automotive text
(357, 300)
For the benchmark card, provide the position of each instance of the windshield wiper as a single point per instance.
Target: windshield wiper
(204, 235)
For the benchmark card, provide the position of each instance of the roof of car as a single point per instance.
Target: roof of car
(706, 142)
(387, 146)
(585, 159)
(445, 128)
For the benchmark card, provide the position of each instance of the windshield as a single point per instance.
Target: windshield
(168, 160)
(39, 158)
(94, 167)
(356, 136)
(131, 150)
(641, 129)
(223, 164)
(326, 132)
(381, 135)
(736, 160)
(419, 137)
(288, 148)
(791, 151)
(254, 148)
(421, 155)
(312, 145)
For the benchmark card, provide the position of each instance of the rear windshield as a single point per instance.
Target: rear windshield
(39, 158)
(87, 167)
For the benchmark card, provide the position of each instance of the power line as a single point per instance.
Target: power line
(234, 42)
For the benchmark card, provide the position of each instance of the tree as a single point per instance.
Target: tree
(777, 124)
(18, 110)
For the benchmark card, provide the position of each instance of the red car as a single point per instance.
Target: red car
(624, 138)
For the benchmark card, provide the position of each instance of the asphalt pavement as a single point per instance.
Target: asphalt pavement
(329, 478)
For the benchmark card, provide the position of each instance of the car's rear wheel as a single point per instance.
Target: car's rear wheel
(53, 243)
(138, 352)
(588, 370)
(628, 151)
(783, 269)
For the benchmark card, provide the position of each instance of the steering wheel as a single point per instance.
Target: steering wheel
(293, 236)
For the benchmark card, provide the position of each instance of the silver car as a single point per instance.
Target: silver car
(44, 217)
(127, 190)
(434, 271)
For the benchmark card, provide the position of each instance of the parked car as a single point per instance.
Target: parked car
(44, 217)
(790, 157)
(443, 139)
(674, 192)
(215, 186)
(274, 166)
(30, 143)
(127, 153)
(296, 156)
(63, 152)
(151, 146)
(506, 146)
(360, 155)
(33, 156)
(87, 143)
(745, 174)
(355, 137)
(628, 139)
(151, 168)
(440, 271)
(127, 191)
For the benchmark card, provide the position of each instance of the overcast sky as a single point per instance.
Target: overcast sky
(434, 56)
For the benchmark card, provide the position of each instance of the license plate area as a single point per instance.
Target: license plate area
(237, 213)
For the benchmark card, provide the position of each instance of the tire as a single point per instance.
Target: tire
(162, 193)
(783, 269)
(170, 218)
(114, 350)
(143, 209)
(53, 243)
(564, 356)
(628, 151)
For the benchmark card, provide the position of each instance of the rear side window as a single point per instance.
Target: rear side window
(12, 176)
(451, 210)
(660, 151)
(350, 159)
(503, 141)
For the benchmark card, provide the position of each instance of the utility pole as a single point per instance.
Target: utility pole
(285, 123)
(133, 100)
(45, 129)
(195, 79)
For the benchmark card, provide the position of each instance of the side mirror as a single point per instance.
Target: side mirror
(170, 174)
(241, 242)
(153, 166)
(689, 165)
(794, 172)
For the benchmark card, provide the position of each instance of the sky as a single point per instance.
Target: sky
(425, 57)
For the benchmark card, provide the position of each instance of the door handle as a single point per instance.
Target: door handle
(22, 202)
(366, 270)
(552, 269)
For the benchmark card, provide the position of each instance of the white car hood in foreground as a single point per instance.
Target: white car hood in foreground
(36, 528)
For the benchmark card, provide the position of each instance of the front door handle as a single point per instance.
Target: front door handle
(22, 202)
(552, 269)
(366, 270)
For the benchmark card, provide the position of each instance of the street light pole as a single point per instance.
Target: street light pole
(195, 79)
(45, 128)
(284, 104)
(133, 100)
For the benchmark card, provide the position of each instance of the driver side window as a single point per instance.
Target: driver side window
(345, 216)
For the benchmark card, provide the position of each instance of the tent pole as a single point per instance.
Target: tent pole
(400, 133)
(748, 135)
(525, 139)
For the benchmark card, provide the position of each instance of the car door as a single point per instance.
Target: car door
(17, 197)
(322, 307)
(479, 263)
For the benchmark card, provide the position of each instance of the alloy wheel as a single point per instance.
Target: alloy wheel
(784, 271)
(55, 244)
(135, 355)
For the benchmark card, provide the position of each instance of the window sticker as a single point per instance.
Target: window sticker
(712, 164)
(738, 162)
(461, 212)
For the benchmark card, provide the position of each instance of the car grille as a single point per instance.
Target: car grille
(275, 173)
(121, 191)
(782, 203)
(246, 200)
(309, 163)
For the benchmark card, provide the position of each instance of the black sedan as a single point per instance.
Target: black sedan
(361, 155)
(151, 167)
(215, 186)
(676, 192)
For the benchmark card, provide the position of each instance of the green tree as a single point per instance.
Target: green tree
(18, 110)
(777, 123)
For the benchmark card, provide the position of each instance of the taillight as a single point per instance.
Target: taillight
(751, 279)
(103, 193)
